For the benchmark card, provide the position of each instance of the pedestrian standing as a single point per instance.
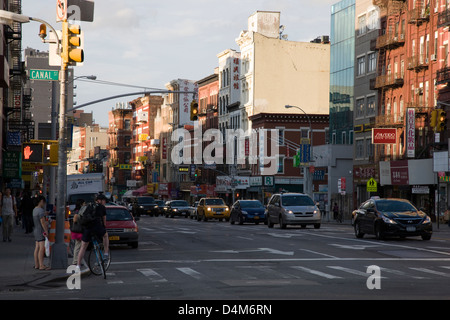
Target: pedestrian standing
(77, 231)
(40, 233)
(27, 206)
(335, 211)
(9, 212)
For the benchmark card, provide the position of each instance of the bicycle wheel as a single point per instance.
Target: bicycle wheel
(95, 262)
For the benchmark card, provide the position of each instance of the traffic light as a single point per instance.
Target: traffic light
(72, 44)
(433, 119)
(194, 110)
(441, 120)
(33, 152)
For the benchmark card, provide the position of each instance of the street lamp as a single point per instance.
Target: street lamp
(308, 179)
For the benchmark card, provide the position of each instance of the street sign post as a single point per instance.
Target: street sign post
(46, 75)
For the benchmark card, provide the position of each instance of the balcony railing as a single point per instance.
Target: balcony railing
(443, 75)
(443, 19)
(419, 15)
(389, 120)
(418, 62)
(390, 40)
(389, 81)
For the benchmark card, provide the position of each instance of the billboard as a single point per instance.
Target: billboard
(384, 135)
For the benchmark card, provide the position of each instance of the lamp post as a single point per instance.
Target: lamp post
(308, 182)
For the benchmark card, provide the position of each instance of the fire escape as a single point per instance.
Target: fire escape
(17, 110)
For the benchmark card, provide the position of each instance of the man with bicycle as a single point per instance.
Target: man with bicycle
(97, 228)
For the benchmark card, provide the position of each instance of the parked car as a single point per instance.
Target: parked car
(144, 205)
(121, 226)
(212, 208)
(247, 211)
(292, 209)
(177, 208)
(391, 217)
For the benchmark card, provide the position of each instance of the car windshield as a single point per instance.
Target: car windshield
(298, 200)
(159, 202)
(145, 200)
(394, 206)
(214, 202)
(251, 204)
(119, 214)
(179, 203)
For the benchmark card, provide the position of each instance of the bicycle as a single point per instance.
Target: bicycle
(96, 261)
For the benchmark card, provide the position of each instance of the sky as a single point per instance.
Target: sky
(148, 43)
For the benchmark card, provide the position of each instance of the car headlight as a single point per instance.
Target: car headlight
(142, 207)
(244, 212)
(226, 209)
(426, 220)
(289, 212)
(174, 209)
(388, 220)
(209, 209)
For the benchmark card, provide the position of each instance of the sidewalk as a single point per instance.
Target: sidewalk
(17, 263)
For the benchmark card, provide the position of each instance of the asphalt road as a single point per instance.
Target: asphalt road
(183, 259)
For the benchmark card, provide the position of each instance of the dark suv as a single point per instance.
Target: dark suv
(144, 205)
(292, 208)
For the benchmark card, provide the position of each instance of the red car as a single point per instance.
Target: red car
(121, 226)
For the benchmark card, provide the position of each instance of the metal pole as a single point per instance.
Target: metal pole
(59, 250)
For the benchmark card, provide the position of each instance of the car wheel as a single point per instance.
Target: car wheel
(426, 237)
(317, 226)
(241, 220)
(134, 245)
(269, 223)
(282, 224)
(378, 233)
(358, 232)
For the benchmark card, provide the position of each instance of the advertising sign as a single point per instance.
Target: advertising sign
(384, 135)
(410, 132)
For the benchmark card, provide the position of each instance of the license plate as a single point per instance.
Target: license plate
(256, 217)
(114, 238)
(411, 229)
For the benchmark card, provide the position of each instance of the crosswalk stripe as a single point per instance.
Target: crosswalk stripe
(152, 275)
(191, 272)
(399, 273)
(316, 272)
(352, 271)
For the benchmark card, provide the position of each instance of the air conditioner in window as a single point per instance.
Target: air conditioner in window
(433, 57)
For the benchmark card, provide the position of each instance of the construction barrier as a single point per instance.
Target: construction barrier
(52, 233)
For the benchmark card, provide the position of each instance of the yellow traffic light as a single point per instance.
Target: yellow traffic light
(43, 31)
(433, 119)
(441, 120)
(72, 51)
(194, 110)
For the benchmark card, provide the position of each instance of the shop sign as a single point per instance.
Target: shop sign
(384, 135)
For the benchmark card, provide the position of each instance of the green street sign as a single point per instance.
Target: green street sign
(46, 75)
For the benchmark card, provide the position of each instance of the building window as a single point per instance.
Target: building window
(280, 164)
(360, 108)
(359, 143)
(371, 106)
(362, 25)
(361, 66)
(372, 62)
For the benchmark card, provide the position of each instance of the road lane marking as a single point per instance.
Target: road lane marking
(316, 272)
(351, 271)
(434, 272)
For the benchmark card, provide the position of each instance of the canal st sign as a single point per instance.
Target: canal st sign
(47, 75)
(384, 136)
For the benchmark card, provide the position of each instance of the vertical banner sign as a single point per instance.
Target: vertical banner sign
(411, 132)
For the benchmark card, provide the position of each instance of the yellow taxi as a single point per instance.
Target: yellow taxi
(212, 208)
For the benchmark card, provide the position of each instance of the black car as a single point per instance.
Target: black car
(160, 207)
(391, 217)
(247, 211)
(144, 205)
(177, 208)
